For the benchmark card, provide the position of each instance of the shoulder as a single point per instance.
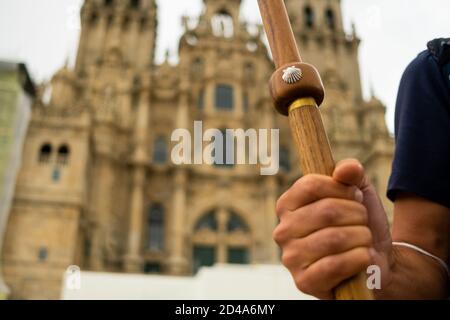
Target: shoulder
(424, 90)
(440, 50)
(431, 67)
(424, 66)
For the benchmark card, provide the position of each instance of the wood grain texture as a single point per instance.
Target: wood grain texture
(315, 156)
(312, 142)
(279, 32)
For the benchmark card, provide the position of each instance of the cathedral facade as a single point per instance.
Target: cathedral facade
(97, 187)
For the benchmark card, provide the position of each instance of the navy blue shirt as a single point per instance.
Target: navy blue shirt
(422, 127)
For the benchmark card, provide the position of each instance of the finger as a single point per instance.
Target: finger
(327, 242)
(326, 274)
(350, 172)
(311, 188)
(319, 215)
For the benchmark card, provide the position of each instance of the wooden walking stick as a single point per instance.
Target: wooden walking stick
(297, 90)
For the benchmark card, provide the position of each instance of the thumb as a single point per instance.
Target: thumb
(351, 172)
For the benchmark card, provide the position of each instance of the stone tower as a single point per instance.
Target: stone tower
(109, 24)
(98, 188)
(43, 230)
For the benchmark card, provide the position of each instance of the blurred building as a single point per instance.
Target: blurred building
(16, 97)
(98, 189)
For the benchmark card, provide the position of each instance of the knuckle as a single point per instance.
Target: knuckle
(289, 258)
(332, 267)
(328, 212)
(333, 239)
(280, 207)
(308, 185)
(286, 260)
(303, 284)
(279, 234)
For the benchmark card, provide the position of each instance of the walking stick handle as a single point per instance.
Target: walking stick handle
(297, 90)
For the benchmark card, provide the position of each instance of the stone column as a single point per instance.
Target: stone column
(133, 41)
(222, 218)
(82, 47)
(146, 41)
(133, 258)
(95, 44)
(177, 263)
(102, 192)
(113, 38)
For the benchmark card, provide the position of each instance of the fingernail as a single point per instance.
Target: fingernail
(359, 196)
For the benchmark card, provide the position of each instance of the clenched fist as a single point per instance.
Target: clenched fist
(332, 228)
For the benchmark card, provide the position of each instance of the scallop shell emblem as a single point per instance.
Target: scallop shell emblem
(292, 75)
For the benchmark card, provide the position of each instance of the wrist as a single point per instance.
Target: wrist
(413, 275)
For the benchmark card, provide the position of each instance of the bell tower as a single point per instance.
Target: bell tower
(223, 7)
(129, 25)
(319, 29)
(315, 15)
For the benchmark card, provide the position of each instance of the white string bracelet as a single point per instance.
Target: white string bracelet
(426, 253)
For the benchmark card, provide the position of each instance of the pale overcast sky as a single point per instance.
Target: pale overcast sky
(44, 33)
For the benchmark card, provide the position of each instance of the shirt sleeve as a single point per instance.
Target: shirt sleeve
(422, 120)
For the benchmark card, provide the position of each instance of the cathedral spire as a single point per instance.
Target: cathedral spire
(319, 15)
(223, 15)
(129, 25)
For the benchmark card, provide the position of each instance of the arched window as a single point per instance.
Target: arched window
(222, 24)
(235, 223)
(309, 17)
(331, 21)
(285, 162)
(45, 153)
(155, 228)
(207, 222)
(224, 97)
(63, 155)
(227, 233)
(160, 151)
